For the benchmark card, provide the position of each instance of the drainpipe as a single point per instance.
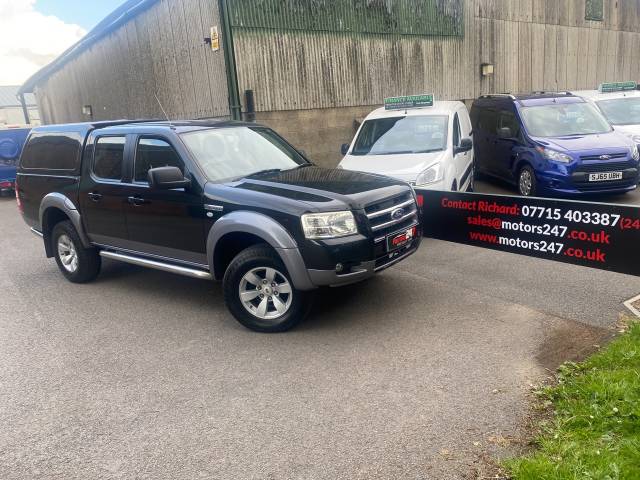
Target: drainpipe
(25, 111)
(230, 62)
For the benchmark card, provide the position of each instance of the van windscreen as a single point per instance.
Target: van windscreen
(564, 119)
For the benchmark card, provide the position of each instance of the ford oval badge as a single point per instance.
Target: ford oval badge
(397, 214)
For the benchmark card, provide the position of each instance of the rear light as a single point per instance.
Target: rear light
(18, 201)
(420, 200)
(6, 185)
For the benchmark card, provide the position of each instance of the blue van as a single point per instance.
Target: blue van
(551, 144)
(11, 143)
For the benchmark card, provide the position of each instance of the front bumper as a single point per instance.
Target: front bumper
(363, 270)
(577, 183)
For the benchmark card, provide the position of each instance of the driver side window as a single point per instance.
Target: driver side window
(154, 153)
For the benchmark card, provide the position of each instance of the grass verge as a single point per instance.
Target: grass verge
(594, 428)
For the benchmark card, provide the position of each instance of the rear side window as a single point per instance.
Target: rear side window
(108, 158)
(487, 120)
(52, 151)
(154, 153)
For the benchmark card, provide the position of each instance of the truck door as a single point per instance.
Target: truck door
(166, 223)
(102, 192)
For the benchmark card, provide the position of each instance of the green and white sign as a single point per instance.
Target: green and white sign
(409, 101)
(617, 87)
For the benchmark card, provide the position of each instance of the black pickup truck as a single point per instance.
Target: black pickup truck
(222, 200)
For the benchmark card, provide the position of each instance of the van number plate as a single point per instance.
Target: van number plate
(605, 176)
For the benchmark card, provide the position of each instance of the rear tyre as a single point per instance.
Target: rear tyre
(77, 263)
(527, 183)
(259, 293)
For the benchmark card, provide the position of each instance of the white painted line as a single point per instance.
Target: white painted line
(629, 304)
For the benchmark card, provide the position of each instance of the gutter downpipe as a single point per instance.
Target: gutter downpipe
(25, 110)
(235, 107)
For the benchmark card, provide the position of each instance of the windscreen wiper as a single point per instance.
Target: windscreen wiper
(264, 172)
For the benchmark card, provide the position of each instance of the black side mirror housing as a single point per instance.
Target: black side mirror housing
(505, 132)
(344, 149)
(167, 178)
(466, 144)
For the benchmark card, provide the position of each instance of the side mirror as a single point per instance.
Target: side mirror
(466, 144)
(505, 132)
(344, 149)
(167, 178)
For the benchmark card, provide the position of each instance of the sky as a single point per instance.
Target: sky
(34, 32)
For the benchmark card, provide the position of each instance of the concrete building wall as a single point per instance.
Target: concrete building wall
(533, 45)
(313, 77)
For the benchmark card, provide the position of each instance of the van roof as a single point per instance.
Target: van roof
(442, 107)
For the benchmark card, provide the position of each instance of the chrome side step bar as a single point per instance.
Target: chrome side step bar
(165, 267)
(37, 233)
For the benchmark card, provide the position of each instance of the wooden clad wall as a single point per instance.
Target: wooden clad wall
(160, 50)
(533, 44)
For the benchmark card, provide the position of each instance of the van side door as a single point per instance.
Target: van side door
(102, 193)
(164, 223)
(484, 135)
(506, 145)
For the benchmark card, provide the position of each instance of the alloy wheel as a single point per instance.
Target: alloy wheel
(265, 293)
(67, 253)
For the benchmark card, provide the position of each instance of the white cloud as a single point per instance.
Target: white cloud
(29, 40)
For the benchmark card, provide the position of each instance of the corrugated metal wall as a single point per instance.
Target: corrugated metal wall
(160, 50)
(534, 45)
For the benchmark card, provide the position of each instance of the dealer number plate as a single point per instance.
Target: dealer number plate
(400, 239)
(605, 176)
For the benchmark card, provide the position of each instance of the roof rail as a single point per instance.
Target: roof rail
(503, 95)
(545, 92)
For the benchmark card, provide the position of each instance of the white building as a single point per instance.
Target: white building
(11, 112)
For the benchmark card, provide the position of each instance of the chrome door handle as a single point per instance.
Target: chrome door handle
(137, 201)
(96, 197)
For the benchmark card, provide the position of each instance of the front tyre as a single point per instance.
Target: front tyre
(77, 263)
(527, 183)
(259, 293)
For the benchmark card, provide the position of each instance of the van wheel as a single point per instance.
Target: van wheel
(77, 264)
(527, 184)
(259, 293)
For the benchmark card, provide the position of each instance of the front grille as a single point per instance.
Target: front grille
(380, 217)
(612, 156)
(605, 167)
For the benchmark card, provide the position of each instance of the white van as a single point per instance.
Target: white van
(620, 104)
(415, 139)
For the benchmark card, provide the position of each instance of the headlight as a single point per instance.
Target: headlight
(430, 175)
(555, 156)
(634, 153)
(328, 225)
